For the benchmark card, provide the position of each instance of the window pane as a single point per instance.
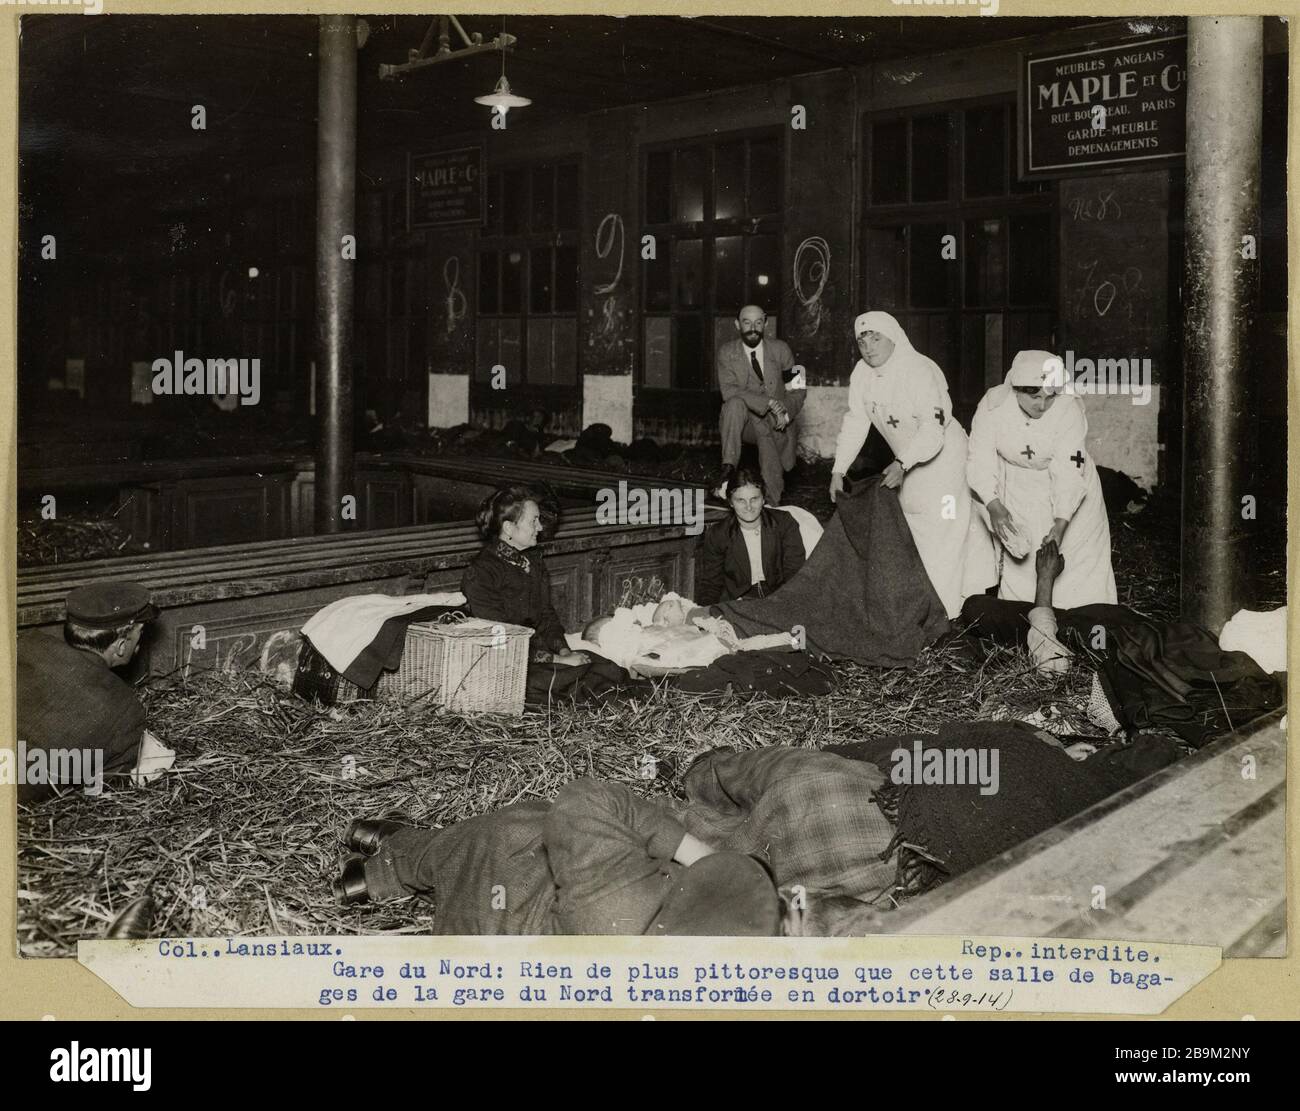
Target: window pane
(510, 355)
(567, 197)
(930, 157)
(688, 273)
(566, 279)
(488, 349)
(886, 265)
(764, 178)
(512, 281)
(513, 203)
(564, 365)
(688, 351)
(764, 262)
(929, 270)
(658, 187)
(489, 269)
(729, 181)
(658, 358)
(543, 211)
(539, 351)
(729, 272)
(539, 280)
(889, 162)
(1031, 259)
(724, 331)
(986, 272)
(688, 185)
(986, 152)
(656, 279)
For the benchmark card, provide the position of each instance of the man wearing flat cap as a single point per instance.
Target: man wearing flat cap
(70, 700)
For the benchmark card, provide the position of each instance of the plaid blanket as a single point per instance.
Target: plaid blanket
(808, 813)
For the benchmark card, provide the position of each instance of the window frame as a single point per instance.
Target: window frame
(708, 230)
(497, 241)
(955, 213)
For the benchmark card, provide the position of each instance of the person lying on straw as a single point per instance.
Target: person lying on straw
(774, 840)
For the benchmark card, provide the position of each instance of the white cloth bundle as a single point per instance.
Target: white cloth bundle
(1016, 542)
(1260, 634)
(342, 629)
(810, 529)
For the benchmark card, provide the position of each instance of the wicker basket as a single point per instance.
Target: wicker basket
(469, 665)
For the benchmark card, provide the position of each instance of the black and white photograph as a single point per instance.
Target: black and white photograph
(703, 476)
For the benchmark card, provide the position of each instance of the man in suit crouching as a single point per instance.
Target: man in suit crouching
(759, 403)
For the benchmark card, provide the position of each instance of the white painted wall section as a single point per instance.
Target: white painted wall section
(448, 400)
(607, 399)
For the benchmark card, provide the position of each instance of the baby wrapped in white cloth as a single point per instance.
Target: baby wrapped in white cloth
(672, 636)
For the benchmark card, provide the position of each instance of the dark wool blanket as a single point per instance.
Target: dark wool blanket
(946, 829)
(1174, 675)
(863, 595)
(597, 681)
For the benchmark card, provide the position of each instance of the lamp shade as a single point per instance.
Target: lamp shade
(502, 97)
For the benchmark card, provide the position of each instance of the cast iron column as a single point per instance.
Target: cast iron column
(336, 163)
(1221, 288)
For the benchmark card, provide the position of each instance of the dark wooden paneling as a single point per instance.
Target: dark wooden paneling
(672, 564)
(195, 513)
(436, 499)
(226, 510)
(387, 500)
(568, 590)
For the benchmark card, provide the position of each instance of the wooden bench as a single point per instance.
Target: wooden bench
(490, 470)
(222, 605)
(1194, 854)
(190, 503)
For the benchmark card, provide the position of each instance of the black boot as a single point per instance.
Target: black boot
(349, 886)
(365, 834)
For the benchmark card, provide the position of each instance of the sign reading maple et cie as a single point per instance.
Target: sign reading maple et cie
(1101, 109)
(444, 188)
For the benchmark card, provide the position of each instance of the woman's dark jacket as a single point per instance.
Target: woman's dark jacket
(724, 561)
(496, 590)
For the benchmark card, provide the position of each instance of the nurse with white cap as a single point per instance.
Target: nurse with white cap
(1029, 464)
(905, 395)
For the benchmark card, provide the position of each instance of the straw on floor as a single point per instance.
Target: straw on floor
(242, 837)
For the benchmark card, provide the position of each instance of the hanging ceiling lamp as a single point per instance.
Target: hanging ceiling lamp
(501, 99)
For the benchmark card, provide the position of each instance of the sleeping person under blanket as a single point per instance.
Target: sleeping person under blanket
(674, 634)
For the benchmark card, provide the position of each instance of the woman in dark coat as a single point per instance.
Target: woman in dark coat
(751, 552)
(507, 583)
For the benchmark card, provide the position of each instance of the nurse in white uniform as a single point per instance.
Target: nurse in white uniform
(905, 395)
(1029, 465)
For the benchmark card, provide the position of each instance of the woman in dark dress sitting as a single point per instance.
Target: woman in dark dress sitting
(507, 583)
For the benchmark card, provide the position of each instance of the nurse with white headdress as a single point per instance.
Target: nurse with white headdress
(905, 396)
(1029, 464)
